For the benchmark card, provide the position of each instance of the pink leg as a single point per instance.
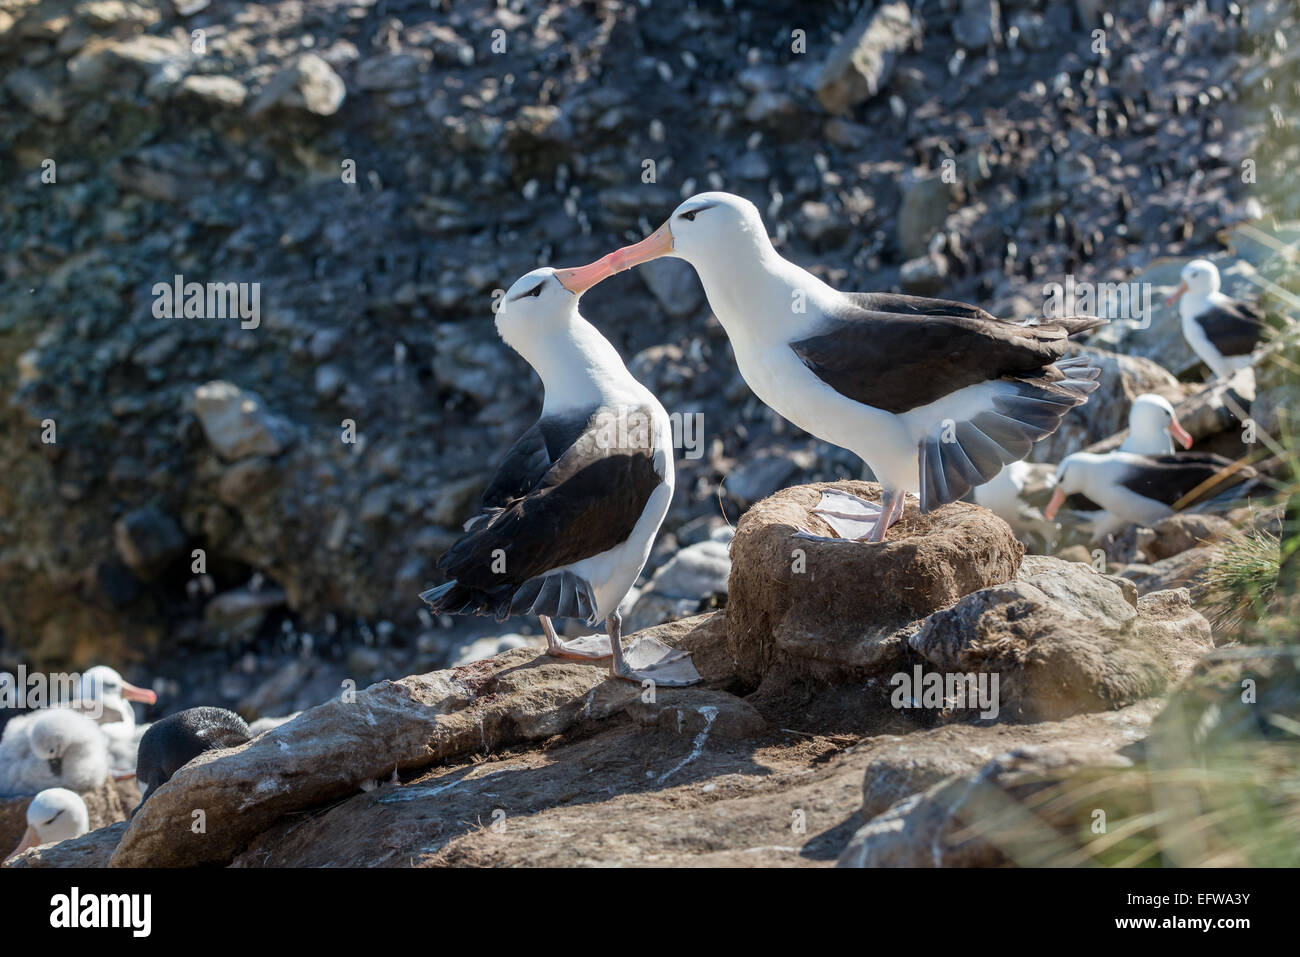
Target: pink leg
(888, 507)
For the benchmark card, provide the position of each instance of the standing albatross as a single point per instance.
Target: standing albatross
(935, 396)
(1221, 330)
(568, 521)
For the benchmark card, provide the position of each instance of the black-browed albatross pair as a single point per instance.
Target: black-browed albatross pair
(936, 396)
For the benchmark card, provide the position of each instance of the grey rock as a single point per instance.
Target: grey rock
(236, 615)
(223, 91)
(925, 275)
(393, 71)
(235, 421)
(926, 198)
(759, 476)
(698, 571)
(1063, 640)
(35, 91)
(861, 64)
(309, 84)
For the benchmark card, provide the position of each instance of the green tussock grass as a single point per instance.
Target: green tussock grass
(1240, 583)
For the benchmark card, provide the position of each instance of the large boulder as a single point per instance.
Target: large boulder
(1207, 781)
(1001, 812)
(1063, 639)
(837, 609)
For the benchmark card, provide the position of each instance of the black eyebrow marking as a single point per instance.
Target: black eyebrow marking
(529, 292)
(55, 818)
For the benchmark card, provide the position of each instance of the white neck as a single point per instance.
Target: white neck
(578, 366)
(1147, 441)
(1193, 304)
(759, 296)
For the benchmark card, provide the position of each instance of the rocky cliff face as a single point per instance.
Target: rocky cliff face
(379, 170)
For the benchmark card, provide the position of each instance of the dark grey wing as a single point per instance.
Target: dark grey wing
(588, 502)
(527, 462)
(1167, 478)
(898, 362)
(917, 305)
(1234, 329)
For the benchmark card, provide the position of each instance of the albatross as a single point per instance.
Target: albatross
(567, 523)
(1021, 492)
(1221, 330)
(935, 396)
(1135, 489)
(107, 696)
(56, 814)
(60, 748)
(174, 741)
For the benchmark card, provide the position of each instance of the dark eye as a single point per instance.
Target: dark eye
(537, 290)
(689, 215)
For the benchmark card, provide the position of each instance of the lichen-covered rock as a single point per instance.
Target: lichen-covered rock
(1063, 639)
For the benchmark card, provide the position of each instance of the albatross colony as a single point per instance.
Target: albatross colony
(935, 396)
(567, 523)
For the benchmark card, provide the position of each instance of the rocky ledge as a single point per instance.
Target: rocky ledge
(790, 753)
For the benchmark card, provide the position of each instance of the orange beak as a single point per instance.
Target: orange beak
(1178, 294)
(131, 693)
(1054, 506)
(581, 278)
(1181, 434)
(30, 839)
(657, 244)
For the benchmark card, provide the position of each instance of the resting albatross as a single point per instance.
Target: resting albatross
(935, 396)
(1135, 489)
(568, 521)
(56, 814)
(1221, 330)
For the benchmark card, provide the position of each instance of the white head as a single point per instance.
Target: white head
(1073, 475)
(699, 229)
(1200, 278)
(104, 695)
(59, 733)
(537, 307)
(56, 814)
(1152, 423)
